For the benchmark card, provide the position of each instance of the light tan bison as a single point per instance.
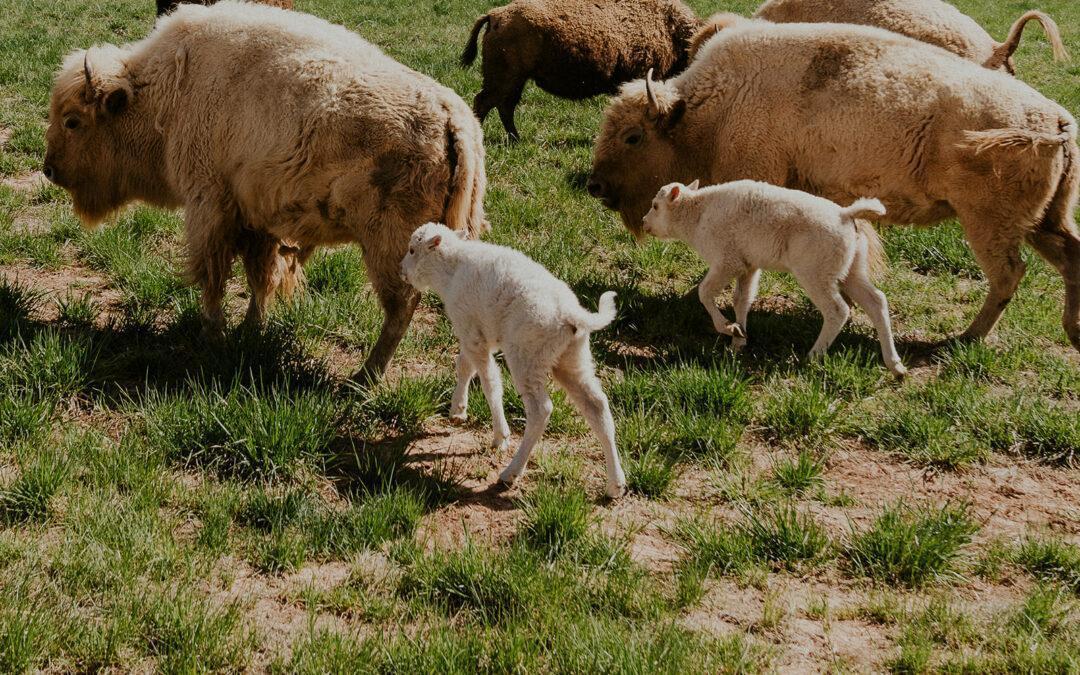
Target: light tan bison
(933, 21)
(166, 6)
(268, 126)
(844, 111)
(575, 48)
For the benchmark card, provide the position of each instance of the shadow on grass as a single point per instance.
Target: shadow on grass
(673, 327)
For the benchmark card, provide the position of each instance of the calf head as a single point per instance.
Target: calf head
(425, 257)
(636, 152)
(95, 147)
(662, 220)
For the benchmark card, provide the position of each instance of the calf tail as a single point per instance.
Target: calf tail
(711, 26)
(1005, 49)
(864, 208)
(605, 314)
(469, 55)
(468, 182)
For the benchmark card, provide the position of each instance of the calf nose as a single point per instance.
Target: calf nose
(595, 187)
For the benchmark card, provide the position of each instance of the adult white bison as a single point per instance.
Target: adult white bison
(846, 111)
(933, 21)
(268, 126)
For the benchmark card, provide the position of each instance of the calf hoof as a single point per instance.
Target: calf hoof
(898, 370)
(500, 443)
(738, 344)
(616, 490)
(508, 477)
(458, 418)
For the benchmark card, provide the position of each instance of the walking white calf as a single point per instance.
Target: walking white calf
(742, 227)
(500, 299)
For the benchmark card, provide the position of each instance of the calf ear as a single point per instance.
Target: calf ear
(434, 242)
(673, 194)
(694, 185)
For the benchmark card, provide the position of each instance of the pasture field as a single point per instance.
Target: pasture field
(167, 506)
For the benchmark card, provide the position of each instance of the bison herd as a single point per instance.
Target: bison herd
(278, 132)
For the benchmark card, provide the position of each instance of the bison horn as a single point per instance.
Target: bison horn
(88, 71)
(649, 91)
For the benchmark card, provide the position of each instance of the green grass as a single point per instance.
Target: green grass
(911, 546)
(148, 477)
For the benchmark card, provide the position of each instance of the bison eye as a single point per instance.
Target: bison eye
(71, 122)
(634, 138)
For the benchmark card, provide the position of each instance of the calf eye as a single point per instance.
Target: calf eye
(71, 122)
(633, 139)
(411, 251)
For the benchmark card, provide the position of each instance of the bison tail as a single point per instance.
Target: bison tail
(465, 206)
(469, 55)
(864, 208)
(1005, 49)
(713, 25)
(1024, 139)
(604, 315)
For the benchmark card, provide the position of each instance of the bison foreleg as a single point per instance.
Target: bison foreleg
(211, 249)
(399, 301)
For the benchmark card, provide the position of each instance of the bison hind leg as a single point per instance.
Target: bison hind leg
(1062, 250)
(268, 265)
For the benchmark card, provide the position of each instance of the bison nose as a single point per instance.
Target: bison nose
(48, 172)
(595, 187)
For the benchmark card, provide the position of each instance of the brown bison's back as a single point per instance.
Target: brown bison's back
(166, 6)
(589, 47)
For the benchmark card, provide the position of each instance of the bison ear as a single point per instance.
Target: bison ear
(434, 242)
(670, 117)
(115, 101)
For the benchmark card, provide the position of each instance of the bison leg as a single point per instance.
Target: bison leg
(211, 249)
(998, 254)
(398, 300)
(506, 109)
(265, 269)
(1062, 250)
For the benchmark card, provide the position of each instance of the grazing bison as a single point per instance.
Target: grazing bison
(933, 21)
(843, 111)
(575, 48)
(356, 148)
(166, 6)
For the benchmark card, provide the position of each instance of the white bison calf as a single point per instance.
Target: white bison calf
(499, 299)
(745, 226)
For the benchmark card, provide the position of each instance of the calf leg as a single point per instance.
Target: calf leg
(834, 309)
(459, 403)
(1062, 250)
(491, 383)
(860, 289)
(530, 379)
(746, 288)
(714, 283)
(575, 374)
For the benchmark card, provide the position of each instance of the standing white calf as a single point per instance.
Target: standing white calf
(742, 227)
(500, 299)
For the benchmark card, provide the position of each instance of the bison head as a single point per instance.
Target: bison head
(635, 153)
(95, 148)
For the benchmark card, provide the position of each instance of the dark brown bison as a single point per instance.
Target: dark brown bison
(575, 48)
